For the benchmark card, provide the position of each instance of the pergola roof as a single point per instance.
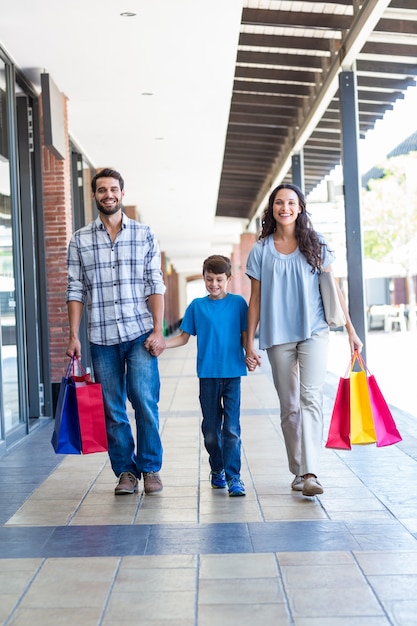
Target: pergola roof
(286, 91)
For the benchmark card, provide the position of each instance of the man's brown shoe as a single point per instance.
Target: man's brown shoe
(153, 484)
(128, 483)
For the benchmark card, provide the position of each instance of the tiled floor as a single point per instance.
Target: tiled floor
(73, 554)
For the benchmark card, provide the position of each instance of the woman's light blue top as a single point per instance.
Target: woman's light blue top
(291, 308)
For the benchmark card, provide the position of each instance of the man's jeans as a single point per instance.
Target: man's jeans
(127, 370)
(220, 405)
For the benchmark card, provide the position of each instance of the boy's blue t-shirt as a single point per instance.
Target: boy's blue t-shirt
(218, 325)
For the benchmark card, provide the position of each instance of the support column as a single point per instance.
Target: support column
(351, 177)
(297, 168)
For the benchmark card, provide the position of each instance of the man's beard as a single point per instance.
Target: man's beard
(107, 210)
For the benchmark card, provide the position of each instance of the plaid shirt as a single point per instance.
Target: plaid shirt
(115, 279)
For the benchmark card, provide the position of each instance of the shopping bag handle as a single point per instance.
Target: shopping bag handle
(357, 357)
(362, 363)
(71, 366)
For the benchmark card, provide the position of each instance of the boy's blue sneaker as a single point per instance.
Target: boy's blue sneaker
(236, 487)
(218, 480)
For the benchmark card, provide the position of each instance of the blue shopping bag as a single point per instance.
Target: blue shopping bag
(66, 438)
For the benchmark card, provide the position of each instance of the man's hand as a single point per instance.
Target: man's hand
(155, 343)
(74, 348)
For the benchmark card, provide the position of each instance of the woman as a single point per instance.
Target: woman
(287, 260)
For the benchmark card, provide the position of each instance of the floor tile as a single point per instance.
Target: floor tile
(199, 539)
(349, 620)
(250, 591)
(243, 614)
(64, 616)
(237, 566)
(97, 541)
(313, 559)
(298, 536)
(176, 605)
(392, 562)
(327, 576)
(337, 602)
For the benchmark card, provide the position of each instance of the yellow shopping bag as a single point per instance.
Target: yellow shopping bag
(362, 428)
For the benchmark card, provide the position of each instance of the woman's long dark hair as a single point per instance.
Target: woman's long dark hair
(307, 238)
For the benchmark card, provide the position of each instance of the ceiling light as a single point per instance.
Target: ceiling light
(127, 14)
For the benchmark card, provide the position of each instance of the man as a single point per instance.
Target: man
(114, 266)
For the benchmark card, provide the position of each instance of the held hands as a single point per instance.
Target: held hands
(155, 343)
(252, 359)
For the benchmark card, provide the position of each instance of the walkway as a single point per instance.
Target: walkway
(73, 554)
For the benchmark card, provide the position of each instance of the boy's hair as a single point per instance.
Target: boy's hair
(218, 264)
(107, 173)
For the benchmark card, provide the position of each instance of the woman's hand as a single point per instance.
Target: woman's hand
(252, 359)
(354, 341)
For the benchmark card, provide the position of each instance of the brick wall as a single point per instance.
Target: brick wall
(171, 312)
(58, 230)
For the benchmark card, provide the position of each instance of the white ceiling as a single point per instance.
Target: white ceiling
(148, 95)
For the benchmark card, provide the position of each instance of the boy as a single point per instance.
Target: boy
(219, 320)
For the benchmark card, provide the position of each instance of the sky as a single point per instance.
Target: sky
(396, 125)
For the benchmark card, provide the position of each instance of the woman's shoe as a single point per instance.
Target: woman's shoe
(298, 483)
(312, 486)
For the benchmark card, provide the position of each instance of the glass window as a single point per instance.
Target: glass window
(8, 350)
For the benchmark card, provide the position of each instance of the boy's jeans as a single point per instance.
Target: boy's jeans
(127, 370)
(220, 405)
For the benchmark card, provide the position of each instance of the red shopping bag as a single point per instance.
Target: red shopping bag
(91, 416)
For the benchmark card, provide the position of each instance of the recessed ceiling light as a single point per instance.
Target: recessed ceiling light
(127, 14)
